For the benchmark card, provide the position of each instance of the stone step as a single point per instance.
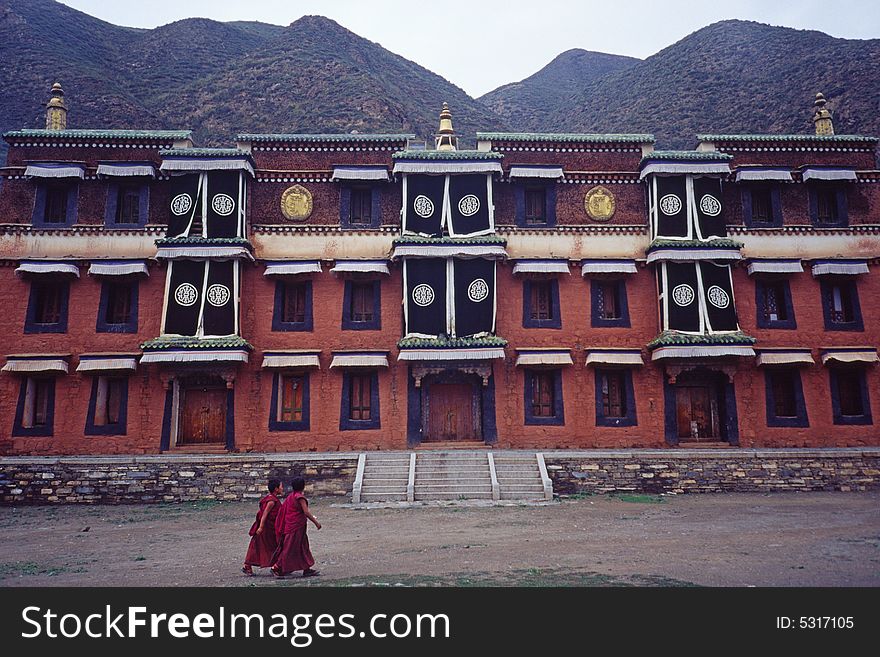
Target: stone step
(381, 490)
(384, 481)
(450, 488)
(383, 497)
(464, 495)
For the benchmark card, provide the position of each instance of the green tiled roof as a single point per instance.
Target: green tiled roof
(334, 137)
(203, 152)
(567, 137)
(100, 134)
(446, 342)
(447, 155)
(418, 239)
(673, 338)
(687, 156)
(721, 243)
(165, 342)
(787, 138)
(198, 240)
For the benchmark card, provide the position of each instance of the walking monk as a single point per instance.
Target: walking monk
(293, 551)
(262, 532)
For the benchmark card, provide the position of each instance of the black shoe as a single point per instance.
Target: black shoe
(309, 572)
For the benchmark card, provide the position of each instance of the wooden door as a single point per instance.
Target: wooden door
(698, 412)
(203, 416)
(451, 414)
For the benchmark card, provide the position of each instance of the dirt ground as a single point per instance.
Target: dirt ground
(805, 539)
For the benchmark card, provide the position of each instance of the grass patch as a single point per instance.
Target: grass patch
(639, 499)
(27, 568)
(140, 558)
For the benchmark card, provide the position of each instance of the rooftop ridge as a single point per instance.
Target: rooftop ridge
(641, 138)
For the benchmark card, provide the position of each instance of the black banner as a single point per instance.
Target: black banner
(184, 297)
(710, 217)
(672, 215)
(424, 204)
(223, 204)
(219, 313)
(474, 296)
(682, 296)
(718, 296)
(426, 295)
(469, 205)
(184, 204)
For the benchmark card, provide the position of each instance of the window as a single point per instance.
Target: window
(828, 205)
(128, 205)
(118, 308)
(840, 303)
(289, 410)
(34, 414)
(47, 306)
(849, 396)
(609, 303)
(615, 398)
(293, 305)
(773, 303)
(359, 207)
(785, 398)
(543, 397)
(762, 206)
(541, 304)
(361, 303)
(535, 205)
(55, 205)
(360, 400)
(108, 406)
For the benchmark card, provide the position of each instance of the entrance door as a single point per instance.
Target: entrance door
(697, 407)
(451, 413)
(203, 415)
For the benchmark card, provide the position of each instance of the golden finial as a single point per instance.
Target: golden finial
(446, 139)
(822, 117)
(56, 109)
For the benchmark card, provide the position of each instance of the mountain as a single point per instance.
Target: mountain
(528, 104)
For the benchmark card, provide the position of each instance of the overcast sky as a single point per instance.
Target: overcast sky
(482, 44)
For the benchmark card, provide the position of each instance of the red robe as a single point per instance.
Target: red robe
(263, 546)
(293, 551)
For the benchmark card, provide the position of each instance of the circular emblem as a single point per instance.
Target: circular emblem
(181, 204)
(423, 206)
(186, 294)
(600, 204)
(217, 295)
(296, 203)
(223, 204)
(718, 297)
(469, 205)
(683, 295)
(423, 295)
(478, 290)
(710, 205)
(670, 205)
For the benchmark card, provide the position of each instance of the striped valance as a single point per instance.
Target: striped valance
(441, 167)
(768, 266)
(292, 267)
(695, 168)
(47, 267)
(360, 359)
(107, 363)
(763, 174)
(55, 170)
(840, 267)
(768, 357)
(478, 353)
(449, 251)
(694, 254)
(194, 252)
(541, 267)
(196, 356)
(290, 359)
(543, 357)
(554, 173)
(702, 351)
(188, 164)
(624, 357)
(360, 173)
(118, 267)
(865, 355)
(829, 173)
(126, 169)
(361, 267)
(608, 267)
(36, 364)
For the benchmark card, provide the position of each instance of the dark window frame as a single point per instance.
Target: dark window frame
(800, 419)
(348, 324)
(631, 417)
(30, 322)
(345, 421)
(554, 322)
(839, 190)
(775, 192)
(827, 285)
(596, 293)
(118, 428)
(861, 374)
(278, 323)
(104, 326)
(111, 212)
(293, 425)
(761, 286)
(519, 194)
(345, 200)
(48, 429)
(38, 218)
(558, 417)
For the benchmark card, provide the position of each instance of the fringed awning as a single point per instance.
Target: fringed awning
(829, 173)
(767, 357)
(55, 170)
(478, 353)
(53, 267)
(440, 167)
(360, 173)
(763, 174)
(192, 252)
(360, 359)
(292, 267)
(118, 268)
(541, 267)
(126, 169)
(361, 267)
(554, 173)
(107, 363)
(623, 357)
(866, 355)
(36, 363)
(702, 351)
(196, 356)
(543, 357)
(767, 266)
(840, 267)
(449, 251)
(608, 267)
(189, 164)
(695, 168)
(275, 360)
(693, 254)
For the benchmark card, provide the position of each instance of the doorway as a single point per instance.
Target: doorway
(451, 412)
(202, 412)
(699, 405)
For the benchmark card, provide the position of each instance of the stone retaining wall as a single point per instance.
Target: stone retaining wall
(150, 479)
(713, 471)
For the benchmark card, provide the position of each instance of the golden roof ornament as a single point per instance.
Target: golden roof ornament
(822, 117)
(445, 138)
(56, 109)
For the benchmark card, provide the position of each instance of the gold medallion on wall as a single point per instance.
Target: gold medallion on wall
(600, 204)
(296, 203)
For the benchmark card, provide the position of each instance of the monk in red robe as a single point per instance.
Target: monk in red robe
(262, 532)
(293, 551)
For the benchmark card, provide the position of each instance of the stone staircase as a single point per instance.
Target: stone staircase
(425, 476)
